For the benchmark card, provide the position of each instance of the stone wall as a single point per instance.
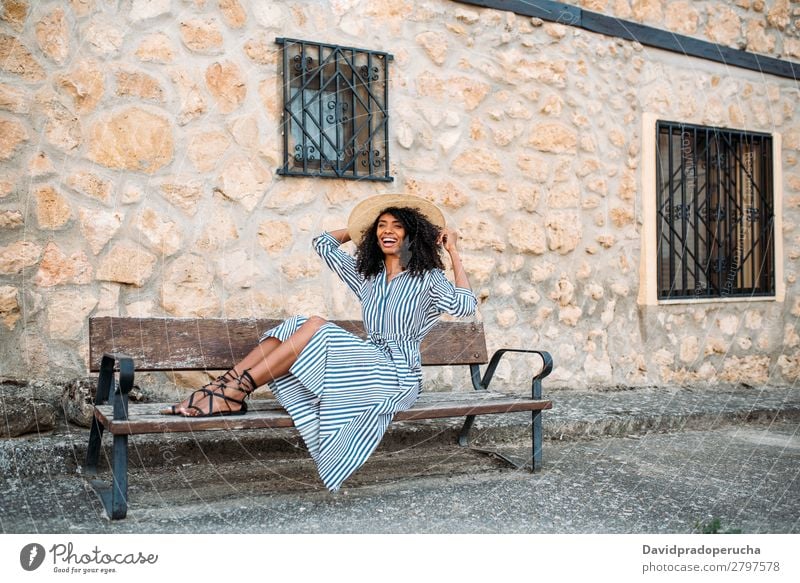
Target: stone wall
(767, 27)
(139, 142)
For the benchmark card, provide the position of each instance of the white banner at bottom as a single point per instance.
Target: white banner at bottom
(385, 557)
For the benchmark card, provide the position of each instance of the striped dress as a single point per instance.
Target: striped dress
(342, 391)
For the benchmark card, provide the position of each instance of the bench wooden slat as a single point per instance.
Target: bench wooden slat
(267, 413)
(168, 344)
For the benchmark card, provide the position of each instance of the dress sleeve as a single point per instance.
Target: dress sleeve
(341, 263)
(456, 301)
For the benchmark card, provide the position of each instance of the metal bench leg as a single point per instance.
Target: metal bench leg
(104, 382)
(463, 437)
(114, 496)
(536, 441)
(93, 450)
(463, 441)
(119, 486)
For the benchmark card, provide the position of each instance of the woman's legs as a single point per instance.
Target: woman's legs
(267, 361)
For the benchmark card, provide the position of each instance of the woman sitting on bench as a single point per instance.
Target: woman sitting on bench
(342, 391)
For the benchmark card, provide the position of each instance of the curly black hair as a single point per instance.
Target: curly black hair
(423, 252)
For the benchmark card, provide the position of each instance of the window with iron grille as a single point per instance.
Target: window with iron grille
(335, 111)
(714, 212)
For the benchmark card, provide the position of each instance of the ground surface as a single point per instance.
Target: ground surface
(747, 475)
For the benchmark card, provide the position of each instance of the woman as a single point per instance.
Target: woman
(342, 391)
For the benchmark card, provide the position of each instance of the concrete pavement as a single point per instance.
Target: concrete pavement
(656, 460)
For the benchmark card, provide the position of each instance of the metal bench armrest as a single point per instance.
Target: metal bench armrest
(536, 381)
(105, 382)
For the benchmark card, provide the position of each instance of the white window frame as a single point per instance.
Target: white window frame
(648, 263)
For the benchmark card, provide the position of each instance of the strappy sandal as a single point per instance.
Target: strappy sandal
(222, 380)
(219, 384)
(219, 394)
(214, 394)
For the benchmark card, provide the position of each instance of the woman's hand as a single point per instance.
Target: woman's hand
(448, 239)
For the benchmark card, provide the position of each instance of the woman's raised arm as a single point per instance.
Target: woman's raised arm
(448, 240)
(340, 235)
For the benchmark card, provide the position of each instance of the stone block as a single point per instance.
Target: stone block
(14, 99)
(15, 13)
(16, 59)
(9, 306)
(53, 210)
(192, 102)
(183, 192)
(12, 135)
(188, 288)
(11, 219)
(434, 45)
(67, 313)
(233, 13)
(564, 231)
(89, 184)
(477, 161)
(647, 10)
(132, 139)
(162, 235)
(681, 17)
(723, 25)
(22, 415)
(553, 137)
(156, 48)
(147, 9)
(261, 49)
(202, 35)
(103, 37)
(526, 235)
(62, 127)
(57, 268)
(758, 39)
(18, 256)
(126, 263)
(53, 35)
(98, 227)
(226, 84)
(243, 179)
(138, 84)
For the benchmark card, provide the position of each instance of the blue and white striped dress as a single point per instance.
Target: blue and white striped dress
(342, 391)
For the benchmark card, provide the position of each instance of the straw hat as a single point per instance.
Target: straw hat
(364, 214)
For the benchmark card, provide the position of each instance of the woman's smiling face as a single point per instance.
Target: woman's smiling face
(390, 233)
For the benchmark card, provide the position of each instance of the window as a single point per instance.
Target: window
(335, 111)
(714, 212)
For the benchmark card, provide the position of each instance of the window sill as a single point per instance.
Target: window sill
(693, 301)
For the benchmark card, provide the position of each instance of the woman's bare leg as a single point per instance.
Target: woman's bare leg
(267, 361)
(280, 359)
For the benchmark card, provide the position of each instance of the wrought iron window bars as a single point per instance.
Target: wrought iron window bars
(715, 212)
(335, 111)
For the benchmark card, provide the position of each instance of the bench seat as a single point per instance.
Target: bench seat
(268, 413)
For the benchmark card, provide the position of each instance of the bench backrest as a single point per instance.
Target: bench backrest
(217, 343)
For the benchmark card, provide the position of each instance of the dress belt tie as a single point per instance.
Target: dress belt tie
(380, 342)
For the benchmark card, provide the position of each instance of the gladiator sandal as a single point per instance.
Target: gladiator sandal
(243, 383)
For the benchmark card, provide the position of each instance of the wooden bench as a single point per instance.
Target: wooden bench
(117, 345)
